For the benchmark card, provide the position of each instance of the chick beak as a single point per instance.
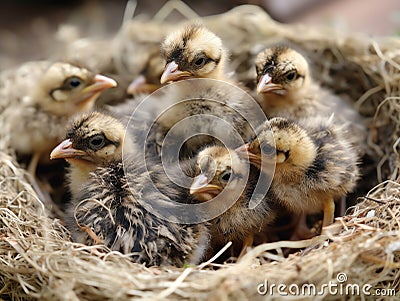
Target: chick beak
(245, 153)
(65, 150)
(172, 73)
(136, 85)
(140, 85)
(265, 85)
(200, 186)
(100, 84)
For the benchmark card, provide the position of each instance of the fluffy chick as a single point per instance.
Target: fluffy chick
(193, 52)
(149, 78)
(109, 194)
(199, 54)
(39, 97)
(315, 163)
(221, 172)
(191, 114)
(93, 140)
(287, 89)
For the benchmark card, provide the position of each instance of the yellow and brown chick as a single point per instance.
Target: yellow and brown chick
(149, 78)
(37, 100)
(223, 175)
(193, 52)
(110, 193)
(287, 89)
(196, 111)
(315, 163)
(93, 140)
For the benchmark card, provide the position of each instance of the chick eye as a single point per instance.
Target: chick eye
(97, 142)
(73, 82)
(70, 134)
(200, 61)
(267, 149)
(291, 75)
(226, 175)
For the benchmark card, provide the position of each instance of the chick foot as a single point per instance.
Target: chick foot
(329, 213)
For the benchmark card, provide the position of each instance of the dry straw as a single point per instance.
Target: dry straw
(38, 260)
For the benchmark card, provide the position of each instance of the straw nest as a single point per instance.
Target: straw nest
(38, 260)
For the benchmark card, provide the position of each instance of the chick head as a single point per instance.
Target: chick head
(281, 70)
(193, 51)
(66, 89)
(216, 167)
(149, 78)
(93, 139)
(290, 147)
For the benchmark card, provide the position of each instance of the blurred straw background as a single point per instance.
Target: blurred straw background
(26, 26)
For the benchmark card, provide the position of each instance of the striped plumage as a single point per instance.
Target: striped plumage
(108, 204)
(316, 162)
(287, 89)
(116, 215)
(197, 55)
(222, 173)
(92, 140)
(193, 52)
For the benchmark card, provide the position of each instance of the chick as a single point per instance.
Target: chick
(223, 175)
(109, 197)
(197, 111)
(149, 78)
(37, 100)
(315, 163)
(242, 29)
(190, 114)
(287, 89)
(136, 43)
(193, 52)
(93, 140)
(136, 53)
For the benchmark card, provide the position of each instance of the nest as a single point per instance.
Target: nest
(39, 261)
